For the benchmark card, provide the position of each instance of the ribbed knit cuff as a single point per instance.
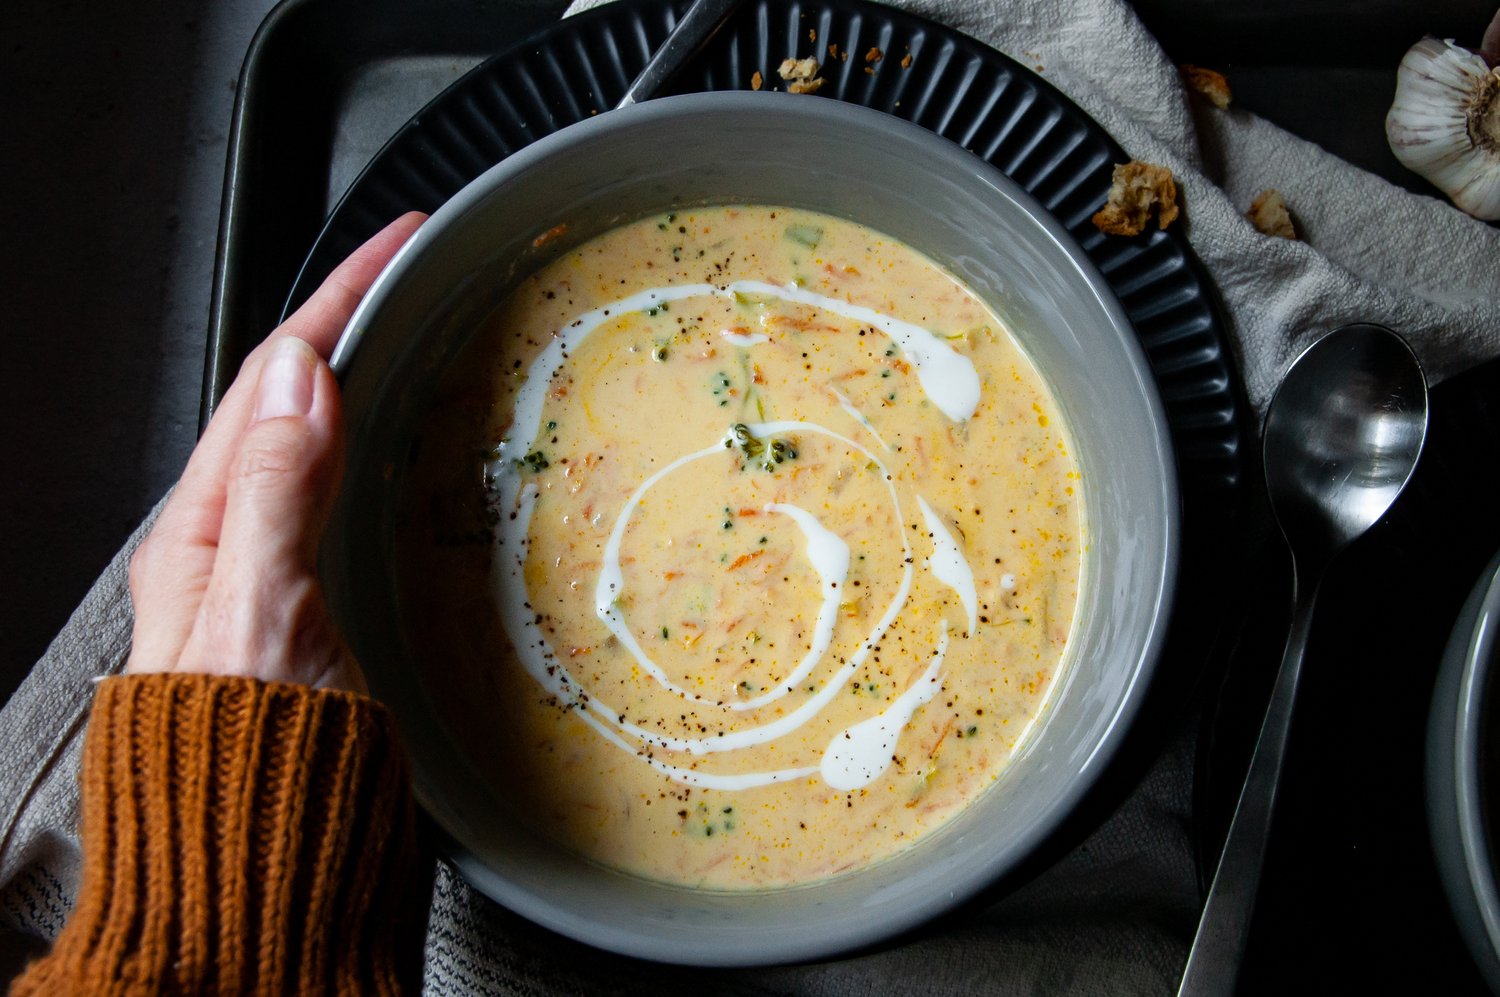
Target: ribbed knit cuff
(240, 837)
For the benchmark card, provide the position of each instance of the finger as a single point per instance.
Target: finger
(170, 573)
(262, 612)
(322, 318)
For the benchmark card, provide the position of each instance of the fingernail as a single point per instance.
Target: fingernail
(286, 380)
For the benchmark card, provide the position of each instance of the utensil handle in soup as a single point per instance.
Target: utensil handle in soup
(696, 29)
(1219, 945)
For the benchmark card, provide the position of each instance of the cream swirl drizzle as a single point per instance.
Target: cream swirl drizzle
(859, 417)
(948, 377)
(856, 756)
(949, 565)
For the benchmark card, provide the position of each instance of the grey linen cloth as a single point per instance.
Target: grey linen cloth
(1115, 915)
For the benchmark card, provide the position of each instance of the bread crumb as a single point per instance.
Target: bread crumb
(1136, 189)
(812, 34)
(906, 61)
(801, 75)
(874, 55)
(1207, 82)
(833, 50)
(756, 80)
(1268, 214)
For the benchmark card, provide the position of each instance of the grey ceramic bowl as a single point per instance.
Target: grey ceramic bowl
(1461, 773)
(847, 161)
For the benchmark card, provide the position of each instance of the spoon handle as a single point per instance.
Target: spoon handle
(697, 27)
(1214, 961)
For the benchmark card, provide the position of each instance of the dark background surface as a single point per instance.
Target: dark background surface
(116, 143)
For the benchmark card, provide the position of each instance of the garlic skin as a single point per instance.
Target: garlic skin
(1445, 124)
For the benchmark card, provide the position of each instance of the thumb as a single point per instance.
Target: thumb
(285, 475)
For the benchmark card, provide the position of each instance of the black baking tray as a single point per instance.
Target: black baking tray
(326, 82)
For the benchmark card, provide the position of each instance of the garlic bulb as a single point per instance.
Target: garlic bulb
(1445, 123)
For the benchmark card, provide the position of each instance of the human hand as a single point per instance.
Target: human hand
(226, 582)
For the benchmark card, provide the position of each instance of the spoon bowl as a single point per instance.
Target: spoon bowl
(1341, 441)
(1342, 437)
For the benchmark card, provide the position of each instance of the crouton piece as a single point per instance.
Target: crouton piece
(801, 75)
(1136, 189)
(1209, 83)
(798, 69)
(1268, 214)
(756, 81)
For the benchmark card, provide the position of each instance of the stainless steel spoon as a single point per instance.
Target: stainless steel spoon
(1342, 437)
(696, 29)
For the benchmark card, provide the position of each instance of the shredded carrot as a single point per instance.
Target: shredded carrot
(744, 559)
(548, 236)
(946, 728)
(801, 324)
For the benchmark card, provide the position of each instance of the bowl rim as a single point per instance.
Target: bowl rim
(1144, 667)
(1455, 808)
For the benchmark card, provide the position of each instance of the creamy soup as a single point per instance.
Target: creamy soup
(746, 544)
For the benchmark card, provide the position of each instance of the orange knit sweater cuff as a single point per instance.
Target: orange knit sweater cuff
(238, 837)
